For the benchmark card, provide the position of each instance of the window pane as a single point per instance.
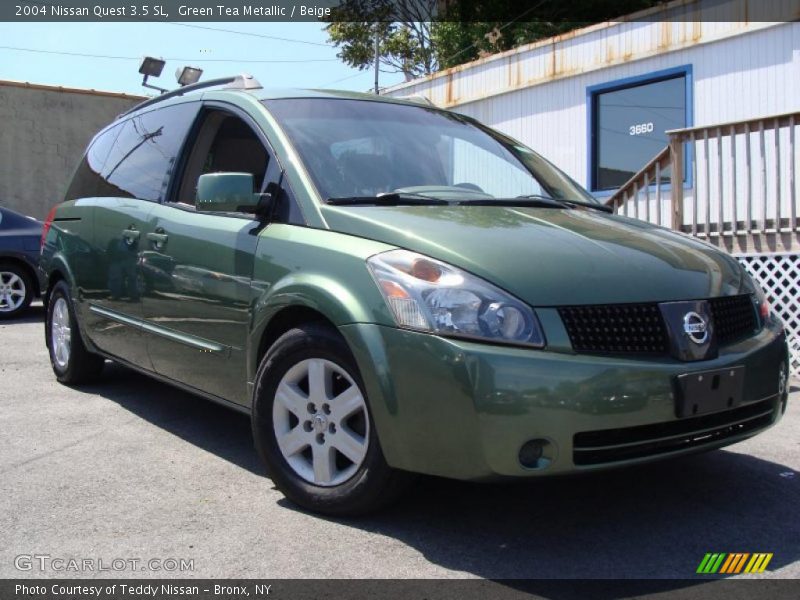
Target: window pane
(142, 159)
(630, 126)
(237, 149)
(475, 166)
(86, 182)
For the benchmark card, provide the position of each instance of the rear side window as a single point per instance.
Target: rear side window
(143, 156)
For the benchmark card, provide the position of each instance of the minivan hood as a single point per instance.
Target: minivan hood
(553, 257)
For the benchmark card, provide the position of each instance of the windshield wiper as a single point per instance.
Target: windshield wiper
(390, 199)
(534, 201)
(571, 202)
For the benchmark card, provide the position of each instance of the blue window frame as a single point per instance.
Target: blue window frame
(628, 119)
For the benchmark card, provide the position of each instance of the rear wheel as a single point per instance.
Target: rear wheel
(313, 429)
(16, 290)
(71, 361)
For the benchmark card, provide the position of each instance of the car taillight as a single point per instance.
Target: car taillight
(46, 227)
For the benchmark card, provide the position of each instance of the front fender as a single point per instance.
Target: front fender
(314, 269)
(318, 292)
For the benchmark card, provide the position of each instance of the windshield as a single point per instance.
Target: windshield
(355, 148)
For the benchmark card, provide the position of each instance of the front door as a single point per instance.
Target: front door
(198, 267)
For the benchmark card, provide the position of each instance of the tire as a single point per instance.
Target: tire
(72, 363)
(308, 464)
(16, 290)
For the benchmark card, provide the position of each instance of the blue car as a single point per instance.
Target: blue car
(20, 238)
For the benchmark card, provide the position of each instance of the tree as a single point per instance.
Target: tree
(472, 29)
(419, 37)
(403, 28)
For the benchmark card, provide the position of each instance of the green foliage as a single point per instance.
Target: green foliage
(401, 46)
(402, 27)
(418, 37)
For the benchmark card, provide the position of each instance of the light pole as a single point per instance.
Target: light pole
(377, 55)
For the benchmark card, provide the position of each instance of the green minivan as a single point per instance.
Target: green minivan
(389, 288)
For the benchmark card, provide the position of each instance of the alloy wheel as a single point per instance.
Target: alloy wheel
(12, 291)
(60, 333)
(320, 422)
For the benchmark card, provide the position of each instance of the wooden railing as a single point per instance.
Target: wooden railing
(740, 181)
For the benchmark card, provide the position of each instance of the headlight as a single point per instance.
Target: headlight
(429, 295)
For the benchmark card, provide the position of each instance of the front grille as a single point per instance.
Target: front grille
(640, 328)
(615, 445)
(734, 317)
(616, 328)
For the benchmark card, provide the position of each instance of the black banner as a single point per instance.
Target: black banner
(553, 11)
(700, 588)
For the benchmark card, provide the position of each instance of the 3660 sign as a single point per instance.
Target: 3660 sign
(641, 128)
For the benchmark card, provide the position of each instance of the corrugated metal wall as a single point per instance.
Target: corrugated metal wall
(538, 93)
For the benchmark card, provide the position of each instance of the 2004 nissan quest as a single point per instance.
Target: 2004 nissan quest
(388, 288)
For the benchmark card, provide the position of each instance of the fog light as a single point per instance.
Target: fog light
(536, 454)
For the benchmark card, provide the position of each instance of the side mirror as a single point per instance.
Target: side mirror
(226, 192)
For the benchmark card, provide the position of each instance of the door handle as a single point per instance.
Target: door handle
(130, 235)
(159, 240)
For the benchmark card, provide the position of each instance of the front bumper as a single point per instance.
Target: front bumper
(462, 409)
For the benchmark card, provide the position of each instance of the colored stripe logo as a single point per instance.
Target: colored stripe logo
(734, 563)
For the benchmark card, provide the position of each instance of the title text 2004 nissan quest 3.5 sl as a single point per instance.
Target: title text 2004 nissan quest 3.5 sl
(389, 288)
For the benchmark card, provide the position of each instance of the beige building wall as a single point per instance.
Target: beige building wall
(43, 133)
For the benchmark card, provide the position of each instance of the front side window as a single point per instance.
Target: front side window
(224, 143)
(364, 148)
(629, 127)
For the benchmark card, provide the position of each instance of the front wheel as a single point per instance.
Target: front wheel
(313, 429)
(71, 361)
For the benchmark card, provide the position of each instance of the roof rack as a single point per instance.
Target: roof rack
(243, 81)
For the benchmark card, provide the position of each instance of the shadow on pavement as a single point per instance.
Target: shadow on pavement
(209, 426)
(654, 521)
(34, 314)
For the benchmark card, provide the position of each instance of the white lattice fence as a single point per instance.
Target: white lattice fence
(779, 277)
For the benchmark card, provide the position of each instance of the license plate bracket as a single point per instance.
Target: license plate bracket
(707, 392)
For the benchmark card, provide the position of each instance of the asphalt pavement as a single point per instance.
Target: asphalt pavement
(130, 469)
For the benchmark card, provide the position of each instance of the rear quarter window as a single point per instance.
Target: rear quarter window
(87, 181)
